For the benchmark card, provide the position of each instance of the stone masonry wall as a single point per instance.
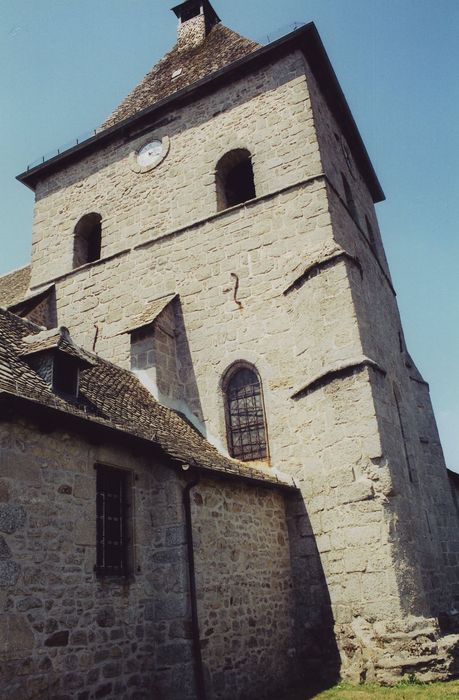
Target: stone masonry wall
(182, 188)
(237, 273)
(66, 634)
(337, 159)
(420, 505)
(245, 589)
(63, 632)
(154, 352)
(419, 509)
(216, 331)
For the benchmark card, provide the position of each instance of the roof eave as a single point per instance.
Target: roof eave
(36, 408)
(305, 38)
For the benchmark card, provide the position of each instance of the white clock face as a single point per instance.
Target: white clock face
(149, 153)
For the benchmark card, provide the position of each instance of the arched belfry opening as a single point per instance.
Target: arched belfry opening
(245, 413)
(87, 239)
(234, 179)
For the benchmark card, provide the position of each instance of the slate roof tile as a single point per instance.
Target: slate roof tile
(14, 285)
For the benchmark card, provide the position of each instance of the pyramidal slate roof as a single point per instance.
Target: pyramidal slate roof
(183, 66)
(14, 285)
(115, 399)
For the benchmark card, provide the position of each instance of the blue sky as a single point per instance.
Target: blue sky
(67, 63)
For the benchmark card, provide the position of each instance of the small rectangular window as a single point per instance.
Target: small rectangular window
(112, 521)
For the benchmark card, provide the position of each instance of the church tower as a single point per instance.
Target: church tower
(218, 237)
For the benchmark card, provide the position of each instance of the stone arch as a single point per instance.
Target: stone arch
(87, 239)
(234, 178)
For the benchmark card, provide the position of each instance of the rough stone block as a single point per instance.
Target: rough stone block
(16, 636)
(171, 654)
(85, 532)
(12, 517)
(22, 467)
(9, 572)
(175, 536)
(170, 608)
(4, 491)
(58, 639)
(5, 552)
(106, 617)
(84, 486)
(360, 490)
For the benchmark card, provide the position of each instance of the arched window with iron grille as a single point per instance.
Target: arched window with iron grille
(245, 414)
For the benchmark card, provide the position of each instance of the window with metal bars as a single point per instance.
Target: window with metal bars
(245, 416)
(112, 525)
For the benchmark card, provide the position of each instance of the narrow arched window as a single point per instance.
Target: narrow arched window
(245, 415)
(87, 239)
(349, 198)
(234, 179)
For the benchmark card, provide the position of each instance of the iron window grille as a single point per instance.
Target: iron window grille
(245, 416)
(112, 514)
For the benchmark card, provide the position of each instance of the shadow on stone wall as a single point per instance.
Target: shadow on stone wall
(318, 660)
(185, 369)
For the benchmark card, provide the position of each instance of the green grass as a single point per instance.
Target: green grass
(407, 690)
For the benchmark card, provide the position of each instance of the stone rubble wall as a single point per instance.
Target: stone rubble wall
(246, 606)
(216, 331)
(66, 634)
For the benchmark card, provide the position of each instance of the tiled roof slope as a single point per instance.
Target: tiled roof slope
(150, 313)
(58, 339)
(221, 47)
(14, 285)
(117, 400)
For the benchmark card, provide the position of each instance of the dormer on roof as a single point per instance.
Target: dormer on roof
(56, 360)
(196, 19)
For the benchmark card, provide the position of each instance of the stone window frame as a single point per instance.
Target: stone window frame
(232, 158)
(124, 573)
(85, 230)
(227, 376)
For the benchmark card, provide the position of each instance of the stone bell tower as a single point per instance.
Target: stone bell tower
(237, 241)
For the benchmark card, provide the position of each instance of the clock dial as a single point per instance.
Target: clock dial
(149, 153)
